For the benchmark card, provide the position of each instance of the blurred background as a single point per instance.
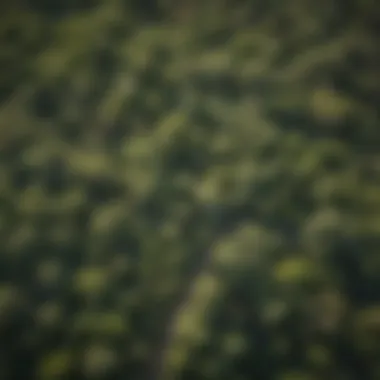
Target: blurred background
(189, 190)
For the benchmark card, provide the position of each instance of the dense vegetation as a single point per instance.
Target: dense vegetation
(189, 190)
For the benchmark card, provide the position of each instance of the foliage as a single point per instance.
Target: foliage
(190, 191)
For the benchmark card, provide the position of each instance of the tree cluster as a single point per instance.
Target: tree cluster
(190, 198)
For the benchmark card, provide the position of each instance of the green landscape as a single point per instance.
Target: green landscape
(190, 190)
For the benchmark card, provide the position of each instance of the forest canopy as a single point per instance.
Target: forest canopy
(189, 190)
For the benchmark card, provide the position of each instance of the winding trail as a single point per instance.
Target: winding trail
(157, 360)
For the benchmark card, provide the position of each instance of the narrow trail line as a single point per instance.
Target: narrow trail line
(157, 361)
